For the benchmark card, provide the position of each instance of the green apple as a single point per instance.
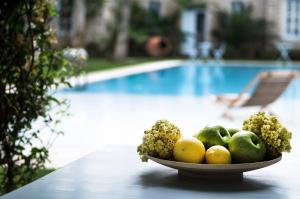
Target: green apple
(233, 131)
(214, 135)
(246, 146)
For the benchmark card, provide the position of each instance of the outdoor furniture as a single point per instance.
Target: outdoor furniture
(117, 172)
(219, 53)
(204, 50)
(284, 49)
(269, 87)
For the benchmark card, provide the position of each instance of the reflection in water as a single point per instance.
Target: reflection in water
(218, 73)
(154, 76)
(188, 83)
(206, 81)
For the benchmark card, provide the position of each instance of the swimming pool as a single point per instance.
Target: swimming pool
(185, 80)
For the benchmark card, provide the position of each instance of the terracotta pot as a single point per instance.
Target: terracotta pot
(158, 46)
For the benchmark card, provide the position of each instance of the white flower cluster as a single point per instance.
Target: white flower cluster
(159, 141)
(275, 136)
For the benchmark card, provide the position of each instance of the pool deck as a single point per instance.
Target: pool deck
(125, 71)
(97, 120)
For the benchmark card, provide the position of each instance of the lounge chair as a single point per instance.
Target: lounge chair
(269, 87)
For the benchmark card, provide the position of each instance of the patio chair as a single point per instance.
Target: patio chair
(204, 50)
(284, 49)
(269, 87)
(219, 53)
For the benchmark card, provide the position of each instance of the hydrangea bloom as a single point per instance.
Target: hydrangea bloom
(275, 136)
(159, 141)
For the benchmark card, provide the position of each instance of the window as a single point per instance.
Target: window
(155, 6)
(237, 6)
(292, 21)
(65, 15)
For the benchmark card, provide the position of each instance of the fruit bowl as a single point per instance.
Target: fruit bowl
(212, 171)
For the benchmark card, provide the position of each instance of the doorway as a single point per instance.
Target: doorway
(200, 26)
(193, 27)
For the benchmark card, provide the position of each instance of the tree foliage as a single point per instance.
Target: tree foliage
(93, 7)
(185, 4)
(30, 70)
(242, 33)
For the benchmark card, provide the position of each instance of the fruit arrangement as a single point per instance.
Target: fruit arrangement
(262, 137)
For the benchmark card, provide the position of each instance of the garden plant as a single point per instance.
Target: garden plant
(30, 71)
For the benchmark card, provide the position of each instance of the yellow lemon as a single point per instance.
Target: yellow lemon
(217, 155)
(190, 150)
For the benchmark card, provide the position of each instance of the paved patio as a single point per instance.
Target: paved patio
(97, 120)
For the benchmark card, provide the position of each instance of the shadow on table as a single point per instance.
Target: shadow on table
(172, 180)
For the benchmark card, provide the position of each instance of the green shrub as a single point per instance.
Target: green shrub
(30, 70)
(184, 4)
(245, 36)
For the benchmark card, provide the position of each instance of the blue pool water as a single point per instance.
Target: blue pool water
(186, 80)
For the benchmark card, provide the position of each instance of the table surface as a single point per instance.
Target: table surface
(117, 172)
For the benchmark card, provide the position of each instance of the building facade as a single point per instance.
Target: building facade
(283, 14)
